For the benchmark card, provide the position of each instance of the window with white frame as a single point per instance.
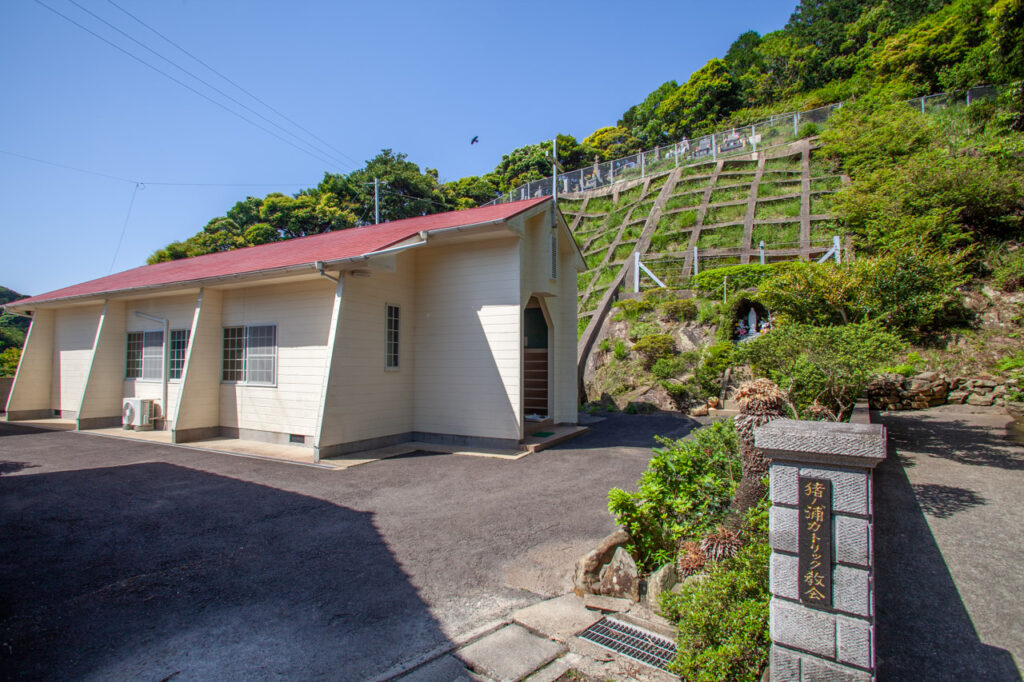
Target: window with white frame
(391, 345)
(179, 344)
(144, 358)
(554, 253)
(250, 354)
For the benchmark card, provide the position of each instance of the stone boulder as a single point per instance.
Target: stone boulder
(662, 580)
(620, 578)
(589, 566)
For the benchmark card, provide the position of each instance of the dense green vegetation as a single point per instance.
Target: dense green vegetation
(684, 493)
(12, 334)
(722, 620)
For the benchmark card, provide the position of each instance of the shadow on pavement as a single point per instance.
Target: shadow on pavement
(152, 570)
(632, 430)
(924, 630)
(956, 440)
(942, 501)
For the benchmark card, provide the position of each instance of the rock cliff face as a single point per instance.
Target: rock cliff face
(929, 389)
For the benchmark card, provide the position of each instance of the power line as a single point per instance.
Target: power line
(124, 227)
(184, 85)
(201, 62)
(161, 184)
(61, 165)
(207, 84)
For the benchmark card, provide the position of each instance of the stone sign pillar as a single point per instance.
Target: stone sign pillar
(822, 564)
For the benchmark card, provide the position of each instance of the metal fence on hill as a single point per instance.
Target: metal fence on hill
(774, 131)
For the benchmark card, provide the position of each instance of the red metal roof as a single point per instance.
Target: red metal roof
(351, 243)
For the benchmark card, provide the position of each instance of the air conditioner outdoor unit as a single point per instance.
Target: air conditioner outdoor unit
(137, 413)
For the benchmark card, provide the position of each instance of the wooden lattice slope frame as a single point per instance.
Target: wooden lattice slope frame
(596, 296)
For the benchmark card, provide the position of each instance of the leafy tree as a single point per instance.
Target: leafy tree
(822, 366)
(533, 162)
(9, 358)
(645, 122)
(469, 191)
(743, 55)
(612, 142)
(710, 94)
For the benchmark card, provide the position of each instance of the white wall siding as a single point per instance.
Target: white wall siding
(178, 311)
(302, 313)
(34, 380)
(198, 392)
(365, 399)
(74, 334)
(565, 406)
(560, 305)
(468, 334)
(102, 397)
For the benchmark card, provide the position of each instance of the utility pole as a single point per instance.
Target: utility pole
(554, 170)
(377, 203)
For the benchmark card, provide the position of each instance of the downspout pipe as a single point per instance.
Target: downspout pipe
(166, 367)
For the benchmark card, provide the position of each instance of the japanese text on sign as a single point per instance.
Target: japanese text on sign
(815, 541)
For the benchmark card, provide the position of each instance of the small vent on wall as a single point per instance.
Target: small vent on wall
(296, 438)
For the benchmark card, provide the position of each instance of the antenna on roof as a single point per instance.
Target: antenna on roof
(376, 202)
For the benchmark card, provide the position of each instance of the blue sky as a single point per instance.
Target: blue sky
(421, 78)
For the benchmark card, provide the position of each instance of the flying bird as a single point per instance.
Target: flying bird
(476, 138)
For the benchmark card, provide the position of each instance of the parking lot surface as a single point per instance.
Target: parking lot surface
(132, 560)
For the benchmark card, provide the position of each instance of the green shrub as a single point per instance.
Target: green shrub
(9, 361)
(679, 309)
(715, 359)
(1009, 275)
(831, 365)
(740, 277)
(912, 365)
(680, 393)
(641, 329)
(684, 492)
(632, 309)
(707, 311)
(619, 350)
(909, 292)
(652, 347)
(667, 368)
(581, 326)
(656, 296)
(808, 130)
(606, 345)
(722, 621)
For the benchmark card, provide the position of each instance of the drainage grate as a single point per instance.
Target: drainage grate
(632, 642)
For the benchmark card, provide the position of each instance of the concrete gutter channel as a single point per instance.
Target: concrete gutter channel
(538, 643)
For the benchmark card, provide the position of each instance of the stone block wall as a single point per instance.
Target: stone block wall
(930, 389)
(810, 642)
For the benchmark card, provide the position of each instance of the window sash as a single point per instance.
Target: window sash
(392, 337)
(261, 354)
(133, 356)
(250, 355)
(179, 345)
(144, 356)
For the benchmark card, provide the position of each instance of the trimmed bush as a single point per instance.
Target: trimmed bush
(653, 347)
(679, 309)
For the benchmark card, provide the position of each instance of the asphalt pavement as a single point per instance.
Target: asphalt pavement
(131, 560)
(949, 546)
